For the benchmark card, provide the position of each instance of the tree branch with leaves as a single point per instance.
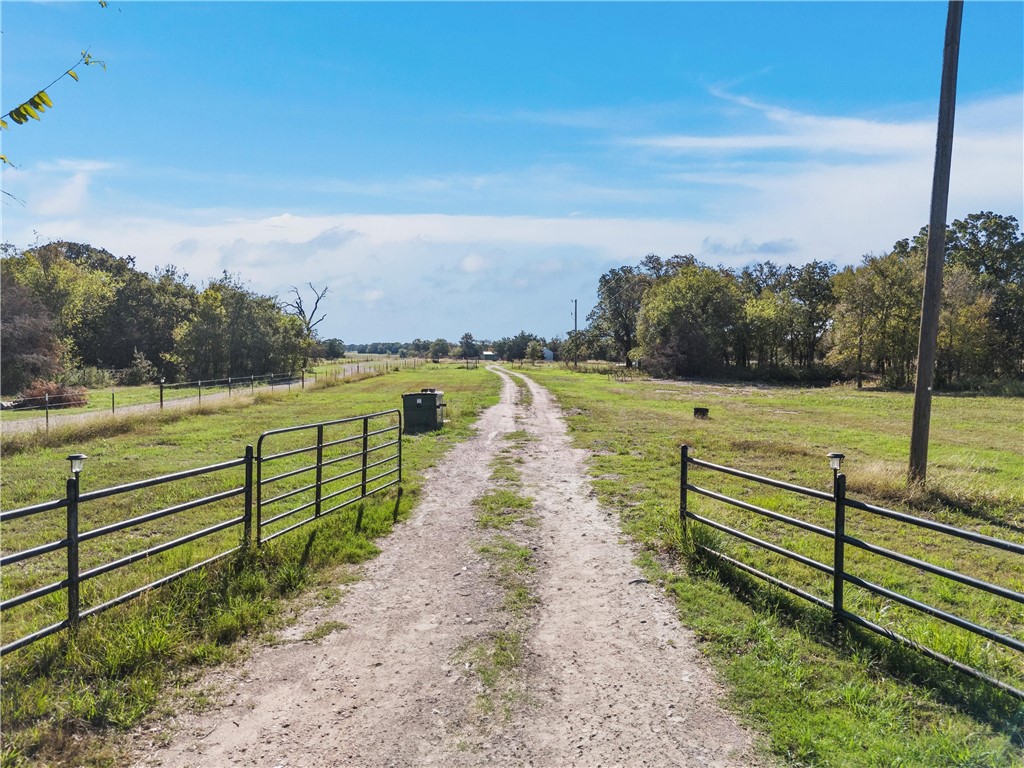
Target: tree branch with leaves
(41, 101)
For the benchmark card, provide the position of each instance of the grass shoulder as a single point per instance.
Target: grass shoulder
(67, 697)
(822, 696)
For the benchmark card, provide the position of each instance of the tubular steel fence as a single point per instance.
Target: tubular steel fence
(71, 570)
(77, 400)
(838, 573)
(350, 457)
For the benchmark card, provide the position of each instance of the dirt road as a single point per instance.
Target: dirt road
(609, 676)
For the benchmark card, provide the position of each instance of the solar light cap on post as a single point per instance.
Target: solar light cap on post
(77, 462)
(835, 460)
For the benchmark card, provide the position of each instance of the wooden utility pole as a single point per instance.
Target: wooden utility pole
(936, 248)
(575, 337)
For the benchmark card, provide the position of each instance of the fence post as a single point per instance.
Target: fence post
(839, 492)
(319, 467)
(46, 405)
(247, 512)
(303, 378)
(112, 400)
(161, 394)
(400, 446)
(252, 384)
(229, 387)
(366, 445)
(259, 493)
(72, 543)
(200, 382)
(684, 456)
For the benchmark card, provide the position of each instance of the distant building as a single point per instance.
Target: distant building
(490, 355)
(549, 356)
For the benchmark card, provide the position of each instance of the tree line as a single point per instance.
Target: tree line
(70, 312)
(679, 317)
(522, 346)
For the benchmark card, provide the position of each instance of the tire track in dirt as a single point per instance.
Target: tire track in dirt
(611, 677)
(615, 679)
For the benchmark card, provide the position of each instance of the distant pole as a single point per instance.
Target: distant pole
(932, 297)
(575, 333)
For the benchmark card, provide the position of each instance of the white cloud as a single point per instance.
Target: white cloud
(797, 188)
(474, 262)
(67, 198)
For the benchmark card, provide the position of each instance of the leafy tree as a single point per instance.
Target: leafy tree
(967, 339)
(202, 341)
(468, 346)
(439, 348)
(514, 348)
(141, 317)
(991, 248)
(620, 294)
(501, 348)
(878, 315)
(333, 349)
(235, 332)
(764, 276)
(767, 321)
(852, 320)
(894, 301)
(811, 289)
(141, 371)
(29, 348)
(76, 296)
(656, 267)
(686, 322)
(261, 337)
(534, 351)
(555, 345)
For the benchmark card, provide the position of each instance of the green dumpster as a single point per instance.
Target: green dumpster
(423, 411)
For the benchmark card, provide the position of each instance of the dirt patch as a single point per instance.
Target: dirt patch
(608, 675)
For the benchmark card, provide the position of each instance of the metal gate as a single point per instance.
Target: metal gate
(305, 472)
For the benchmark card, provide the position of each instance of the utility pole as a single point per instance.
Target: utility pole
(932, 297)
(575, 333)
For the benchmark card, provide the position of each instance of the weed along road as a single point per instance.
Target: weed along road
(504, 624)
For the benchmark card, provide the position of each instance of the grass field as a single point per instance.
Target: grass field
(822, 697)
(825, 697)
(117, 398)
(58, 690)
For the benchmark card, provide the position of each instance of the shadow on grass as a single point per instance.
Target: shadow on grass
(976, 698)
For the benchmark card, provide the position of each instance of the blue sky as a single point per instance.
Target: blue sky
(475, 166)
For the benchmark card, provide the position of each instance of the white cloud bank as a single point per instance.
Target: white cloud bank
(845, 187)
